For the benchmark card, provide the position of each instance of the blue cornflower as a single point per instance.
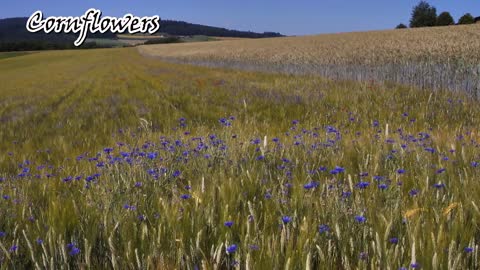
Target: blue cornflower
(474, 164)
(468, 249)
(400, 171)
(429, 149)
(310, 185)
(228, 224)
(383, 186)
(439, 185)
(439, 171)
(74, 251)
(286, 219)
(394, 240)
(152, 155)
(360, 219)
(108, 150)
(323, 228)
(3, 234)
(415, 265)
(254, 247)
(413, 192)
(176, 173)
(255, 141)
(261, 157)
(363, 185)
(13, 248)
(231, 249)
(185, 196)
(337, 170)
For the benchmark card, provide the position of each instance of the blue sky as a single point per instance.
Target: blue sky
(288, 17)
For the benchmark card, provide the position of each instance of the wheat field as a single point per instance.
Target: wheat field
(113, 160)
(433, 58)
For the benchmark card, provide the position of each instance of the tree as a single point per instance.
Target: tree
(445, 19)
(401, 26)
(423, 15)
(466, 19)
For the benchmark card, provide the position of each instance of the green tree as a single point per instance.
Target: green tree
(466, 19)
(401, 26)
(445, 19)
(423, 15)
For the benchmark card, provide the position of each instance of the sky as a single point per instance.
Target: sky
(293, 17)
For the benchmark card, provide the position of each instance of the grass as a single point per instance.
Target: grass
(113, 160)
(5, 55)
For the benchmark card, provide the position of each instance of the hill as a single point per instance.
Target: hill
(180, 28)
(15, 37)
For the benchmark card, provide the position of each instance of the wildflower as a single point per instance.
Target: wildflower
(268, 195)
(141, 217)
(439, 185)
(185, 196)
(383, 186)
(74, 251)
(138, 184)
(39, 241)
(337, 170)
(415, 265)
(261, 157)
(255, 141)
(394, 240)
(231, 249)
(3, 234)
(468, 249)
(323, 228)
(228, 224)
(400, 171)
(13, 248)
(152, 155)
(474, 164)
(310, 185)
(363, 185)
(363, 256)
(413, 192)
(439, 171)
(176, 173)
(429, 149)
(286, 219)
(254, 247)
(360, 219)
(107, 150)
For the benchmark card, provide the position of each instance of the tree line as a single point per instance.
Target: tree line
(425, 15)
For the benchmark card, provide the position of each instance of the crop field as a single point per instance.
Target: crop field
(431, 58)
(113, 160)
